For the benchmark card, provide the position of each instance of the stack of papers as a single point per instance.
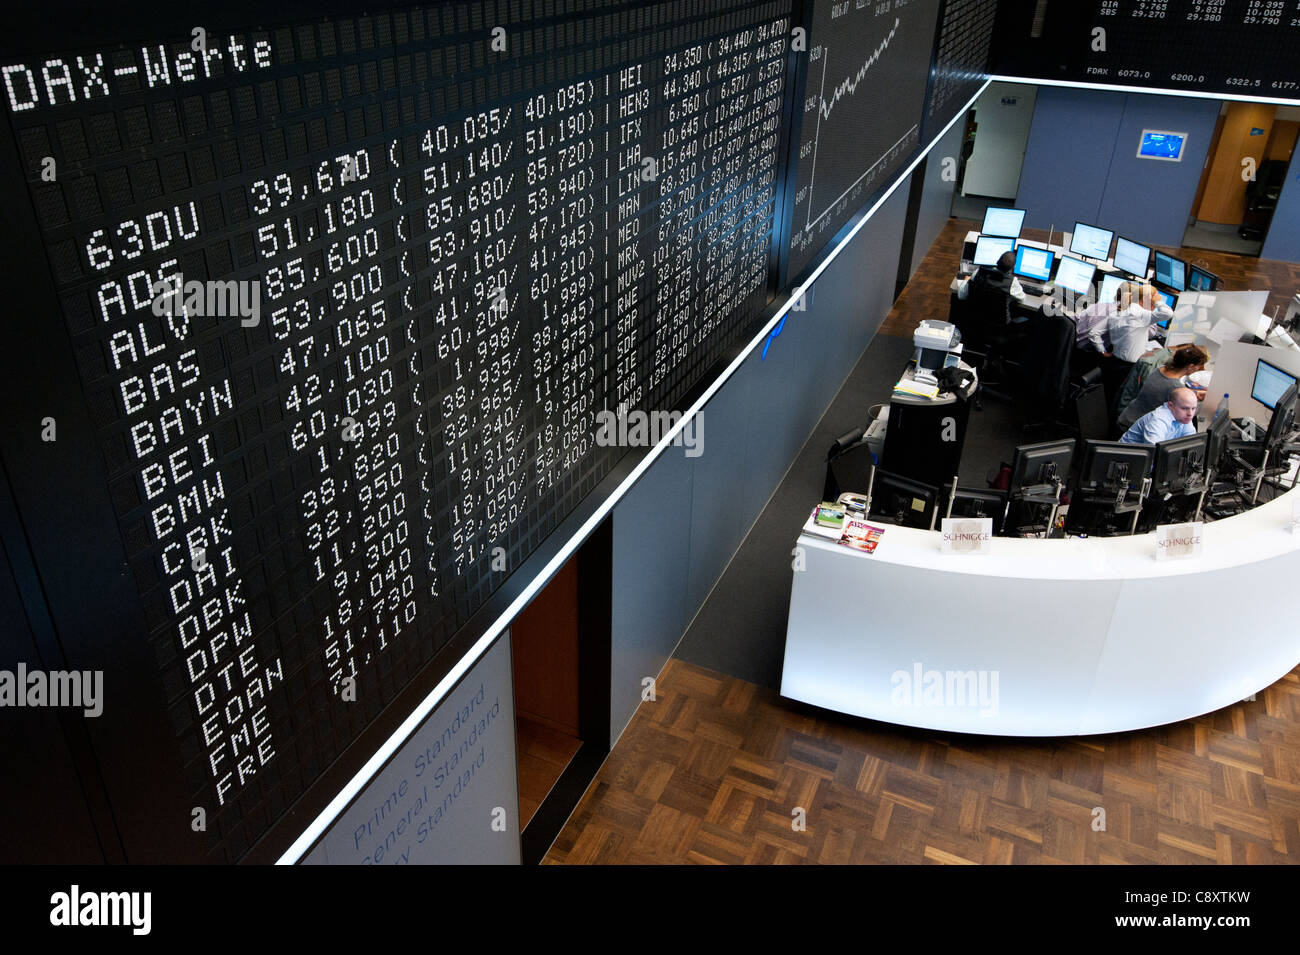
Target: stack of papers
(915, 389)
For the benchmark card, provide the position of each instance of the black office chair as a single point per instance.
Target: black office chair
(1082, 414)
(1046, 365)
(1088, 403)
(984, 322)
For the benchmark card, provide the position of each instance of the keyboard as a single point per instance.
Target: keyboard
(1036, 288)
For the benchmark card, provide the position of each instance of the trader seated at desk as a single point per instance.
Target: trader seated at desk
(1000, 279)
(1162, 381)
(1174, 419)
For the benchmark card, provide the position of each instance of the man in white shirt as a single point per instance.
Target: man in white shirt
(1174, 419)
(1000, 282)
(1128, 326)
(1002, 278)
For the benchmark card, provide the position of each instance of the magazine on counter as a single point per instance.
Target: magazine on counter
(861, 536)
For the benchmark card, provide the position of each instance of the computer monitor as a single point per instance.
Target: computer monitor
(1004, 222)
(1217, 433)
(1091, 242)
(1075, 275)
(1271, 382)
(899, 500)
(1171, 272)
(1161, 144)
(1110, 284)
(1112, 464)
(1032, 263)
(1170, 299)
(990, 248)
(1132, 257)
(1035, 465)
(1283, 419)
(1201, 280)
(1180, 464)
(974, 502)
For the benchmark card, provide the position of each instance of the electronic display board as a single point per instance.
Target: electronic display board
(325, 309)
(961, 60)
(861, 112)
(1231, 47)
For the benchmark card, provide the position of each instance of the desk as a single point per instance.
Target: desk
(1074, 636)
(925, 436)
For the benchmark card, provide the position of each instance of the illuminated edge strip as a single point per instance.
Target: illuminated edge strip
(1155, 91)
(390, 746)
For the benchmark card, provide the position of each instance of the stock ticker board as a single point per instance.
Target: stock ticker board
(862, 110)
(323, 311)
(961, 60)
(1232, 47)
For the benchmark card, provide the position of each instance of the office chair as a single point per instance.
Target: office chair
(1046, 366)
(984, 323)
(1088, 403)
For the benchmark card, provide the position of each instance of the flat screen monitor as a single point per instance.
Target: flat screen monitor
(1271, 382)
(1283, 419)
(1110, 285)
(989, 248)
(1179, 463)
(1200, 280)
(1003, 222)
(899, 500)
(1161, 144)
(1091, 242)
(1075, 275)
(1032, 263)
(1039, 464)
(1217, 433)
(1110, 464)
(1132, 258)
(1170, 299)
(975, 502)
(1171, 272)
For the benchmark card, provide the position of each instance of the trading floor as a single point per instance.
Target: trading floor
(718, 766)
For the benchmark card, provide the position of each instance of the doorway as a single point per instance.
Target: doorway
(561, 647)
(1243, 177)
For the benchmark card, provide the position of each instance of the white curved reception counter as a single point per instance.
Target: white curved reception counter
(1044, 637)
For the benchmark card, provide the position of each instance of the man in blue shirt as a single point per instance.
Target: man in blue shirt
(1174, 419)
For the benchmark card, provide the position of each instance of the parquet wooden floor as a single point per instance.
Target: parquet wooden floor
(926, 295)
(714, 770)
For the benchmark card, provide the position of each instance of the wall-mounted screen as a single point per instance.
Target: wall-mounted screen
(328, 311)
(861, 112)
(1162, 145)
(1242, 49)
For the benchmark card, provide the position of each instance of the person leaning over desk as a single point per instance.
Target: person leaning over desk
(1173, 419)
(1163, 381)
(1126, 322)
